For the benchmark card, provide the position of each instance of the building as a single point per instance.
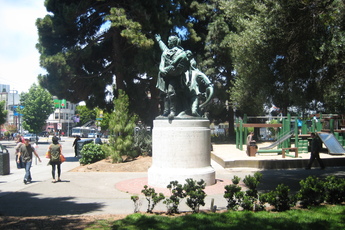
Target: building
(61, 121)
(12, 100)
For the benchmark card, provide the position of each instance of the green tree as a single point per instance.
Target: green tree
(267, 51)
(285, 51)
(104, 123)
(3, 113)
(85, 114)
(38, 105)
(121, 127)
(83, 45)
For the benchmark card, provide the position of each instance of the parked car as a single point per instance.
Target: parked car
(31, 136)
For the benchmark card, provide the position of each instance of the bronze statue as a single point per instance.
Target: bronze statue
(179, 81)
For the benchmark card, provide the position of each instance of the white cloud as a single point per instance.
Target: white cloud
(19, 59)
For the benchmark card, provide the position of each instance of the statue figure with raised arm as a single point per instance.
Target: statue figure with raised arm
(179, 80)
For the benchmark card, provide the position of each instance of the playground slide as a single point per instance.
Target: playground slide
(331, 143)
(284, 138)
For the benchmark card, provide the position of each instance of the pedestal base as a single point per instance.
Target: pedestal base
(181, 149)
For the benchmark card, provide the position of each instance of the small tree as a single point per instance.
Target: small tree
(152, 197)
(176, 191)
(195, 193)
(251, 199)
(37, 106)
(233, 194)
(121, 127)
(3, 113)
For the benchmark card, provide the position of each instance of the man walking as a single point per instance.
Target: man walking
(25, 151)
(315, 152)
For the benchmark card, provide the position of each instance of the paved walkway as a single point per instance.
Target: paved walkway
(86, 193)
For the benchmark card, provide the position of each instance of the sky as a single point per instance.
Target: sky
(19, 58)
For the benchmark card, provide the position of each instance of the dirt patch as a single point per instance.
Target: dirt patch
(140, 164)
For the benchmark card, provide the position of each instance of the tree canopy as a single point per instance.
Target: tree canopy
(3, 113)
(38, 105)
(289, 53)
(85, 114)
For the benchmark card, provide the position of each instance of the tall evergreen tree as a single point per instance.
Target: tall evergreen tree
(121, 126)
(84, 45)
(82, 52)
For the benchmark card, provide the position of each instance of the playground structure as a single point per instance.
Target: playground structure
(330, 129)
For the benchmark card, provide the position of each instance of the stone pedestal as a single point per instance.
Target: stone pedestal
(181, 149)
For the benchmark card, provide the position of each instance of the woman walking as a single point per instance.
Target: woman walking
(55, 151)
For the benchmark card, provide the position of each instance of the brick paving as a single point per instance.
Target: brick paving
(134, 186)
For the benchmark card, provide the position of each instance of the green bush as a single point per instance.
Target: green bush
(334, 190)
(195, 194)
(279, 198)
(251, 195)
(233, 194)
(152, 197)
(177, 194)
(252, 183)
(91, 153)
(311, 192)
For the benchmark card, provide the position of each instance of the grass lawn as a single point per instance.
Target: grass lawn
(321, 217)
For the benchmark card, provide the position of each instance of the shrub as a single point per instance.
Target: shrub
(195, 194)
(233, 194)
(279, 198)
(137, 203)
(334, 190)
(176, 191)
(311, 192)
(252, 183)
(91, 153)
(152, 197)
(251, 195)
(248, 203)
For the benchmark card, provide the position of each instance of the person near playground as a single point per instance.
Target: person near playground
(75, 145)
(55, 152)
(250, 139)
(26, 151)
(315, 152)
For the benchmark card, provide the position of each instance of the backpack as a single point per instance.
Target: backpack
(55, 153)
